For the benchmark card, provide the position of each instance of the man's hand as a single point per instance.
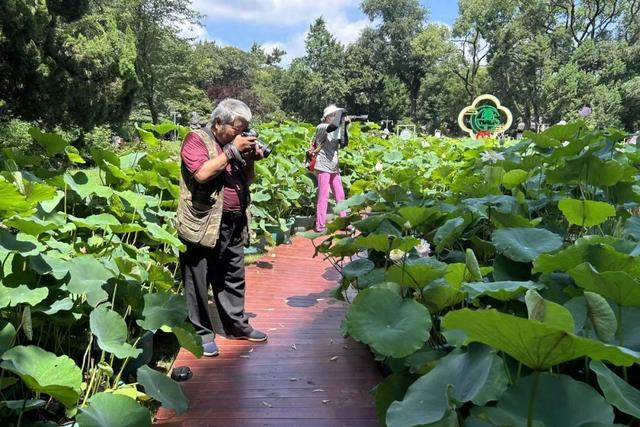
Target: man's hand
(244, 144)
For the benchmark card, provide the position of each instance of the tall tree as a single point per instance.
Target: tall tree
(156, 23)
(400, 21)
(66, 62)
(318, 78)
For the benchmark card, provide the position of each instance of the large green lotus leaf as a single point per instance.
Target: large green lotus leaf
(391, 389)
(160, 277)
(73, 155)
(111, 330)
(615, 285)
(537, 345)
(188, 338)
(559, 401)
(495, 385)
(52, 202)
(88, 275)
(427, 399)
(52, 142)
(448, 232)
(357, 268)
(135, 200)
(604, 257)
(514, 177)
(370, 224)
(604, 173)
(525, 244)
(85, 186)
(7, 336)
(560, 261)
(95, 222)
(391, 325)
(378, 242)
(11, 200)
(163, 236)
(602, 317)
(110, 410)
(416, 273)
(24, 244)
(45, 264)
(439, 295)
(616, 390)
(341, 248)
(586, 213)
(163, 389)
(549, 312)
(502, 291)
(31, 225)
(57, 306)
(163, 309)
(416, 215)
(371, 278)
(43, 372)
(22, 295)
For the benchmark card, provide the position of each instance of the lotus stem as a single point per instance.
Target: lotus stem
(532, 398)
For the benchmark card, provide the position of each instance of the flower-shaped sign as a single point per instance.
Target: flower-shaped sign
(485, 117)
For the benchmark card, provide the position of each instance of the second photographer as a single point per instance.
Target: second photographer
(330, 136)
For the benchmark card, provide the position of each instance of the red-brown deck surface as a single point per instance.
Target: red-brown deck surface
(305, 375)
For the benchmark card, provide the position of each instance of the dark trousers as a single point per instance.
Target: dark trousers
(222, 268)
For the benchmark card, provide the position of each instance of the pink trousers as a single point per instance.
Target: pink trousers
(326, 179)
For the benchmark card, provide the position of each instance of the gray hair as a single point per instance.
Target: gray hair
(231, 109)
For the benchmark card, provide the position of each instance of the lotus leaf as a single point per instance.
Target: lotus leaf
(163, 389)
(552, 397)
(391, 325)
(616, 390)
(88, 274)
(615, 285)
(43, 372)
(109, 410)
(537, 345)
(111, 331)
(525, 244)
(549, 312)
(356, 269)
(586, 213)
(162, 310)
(502, 291)
(602, 318)
(427, 399)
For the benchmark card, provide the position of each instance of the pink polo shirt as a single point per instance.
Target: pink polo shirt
(194, 153)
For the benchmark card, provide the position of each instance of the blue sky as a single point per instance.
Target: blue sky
(284, 23)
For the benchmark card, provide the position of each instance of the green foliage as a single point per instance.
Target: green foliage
(535, 256)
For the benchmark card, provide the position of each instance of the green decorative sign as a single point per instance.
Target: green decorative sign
(485, 117)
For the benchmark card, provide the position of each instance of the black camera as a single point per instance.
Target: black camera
(266, 150)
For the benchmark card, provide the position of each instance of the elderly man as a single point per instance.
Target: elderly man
(213, 223)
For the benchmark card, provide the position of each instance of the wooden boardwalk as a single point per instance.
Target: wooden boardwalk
(305, 375)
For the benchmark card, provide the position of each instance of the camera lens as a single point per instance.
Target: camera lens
(266, 150)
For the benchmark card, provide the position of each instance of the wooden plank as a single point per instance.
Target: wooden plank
(306, 374)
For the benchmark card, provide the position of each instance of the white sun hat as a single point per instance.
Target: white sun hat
(330, 110)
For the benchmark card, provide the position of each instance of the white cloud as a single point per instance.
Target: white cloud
(284, 14)
(277, 12)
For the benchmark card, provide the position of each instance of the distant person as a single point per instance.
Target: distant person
(330, 136)
(217, 167)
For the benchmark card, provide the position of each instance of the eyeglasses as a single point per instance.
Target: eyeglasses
(238, 130)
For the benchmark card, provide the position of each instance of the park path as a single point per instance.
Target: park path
(305, 375)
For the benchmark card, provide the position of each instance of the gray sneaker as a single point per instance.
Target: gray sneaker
(210, 349)
(255, 336)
